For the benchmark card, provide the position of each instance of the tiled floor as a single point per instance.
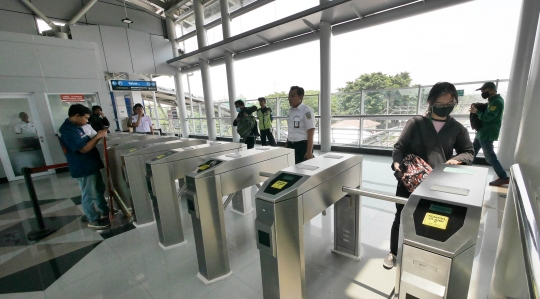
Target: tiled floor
(77, 262)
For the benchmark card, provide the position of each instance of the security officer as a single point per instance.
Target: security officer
(301, 126)
(489, 132)
(265, 123)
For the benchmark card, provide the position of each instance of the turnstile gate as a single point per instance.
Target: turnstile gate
(438, 233)
(161, 173)
(116, 149)
(134, 170)
(291, 198)
(206, 187)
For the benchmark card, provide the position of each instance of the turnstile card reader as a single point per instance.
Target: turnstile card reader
(438, 233)
(134, 170)
(161, 173)
(116, 149)
(206, 187)
(291, 198)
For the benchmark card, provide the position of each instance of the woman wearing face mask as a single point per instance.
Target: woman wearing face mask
(432, 137)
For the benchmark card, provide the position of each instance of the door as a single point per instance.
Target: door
(22, 141)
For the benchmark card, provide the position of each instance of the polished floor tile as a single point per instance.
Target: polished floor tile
(127, 262)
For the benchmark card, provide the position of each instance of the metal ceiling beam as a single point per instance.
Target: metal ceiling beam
(81, 13)
(232, 15)
(158, 3)
(395, 14)
(34, 9)
(176, 4)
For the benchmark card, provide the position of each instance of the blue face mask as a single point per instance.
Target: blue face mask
(238, 109)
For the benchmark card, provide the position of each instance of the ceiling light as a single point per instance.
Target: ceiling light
(126, 20)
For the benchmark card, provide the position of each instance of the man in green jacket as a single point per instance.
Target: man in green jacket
(489, 132)
(265, 123)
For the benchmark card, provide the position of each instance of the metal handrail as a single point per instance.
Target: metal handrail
(382, 196)
(528, 230)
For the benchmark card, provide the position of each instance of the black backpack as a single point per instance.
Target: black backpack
(476, 123)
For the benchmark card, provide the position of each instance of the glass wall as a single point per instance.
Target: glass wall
(366, 118)
(59, 108)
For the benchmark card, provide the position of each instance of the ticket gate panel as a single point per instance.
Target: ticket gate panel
(209, 229)
(168, 167)
(134, 169)
(281, 243)
(229, 173)
(291, 198)
(438, 233)
(115, 164)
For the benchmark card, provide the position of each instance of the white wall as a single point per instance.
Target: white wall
(127, 50)
(41, 65)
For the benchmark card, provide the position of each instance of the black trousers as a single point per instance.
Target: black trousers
(267, 133)
(300, 148)
(250, 141)
(394, 233)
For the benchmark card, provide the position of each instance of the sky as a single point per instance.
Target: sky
(464, 43)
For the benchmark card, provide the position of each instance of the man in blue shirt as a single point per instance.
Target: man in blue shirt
(85, 163)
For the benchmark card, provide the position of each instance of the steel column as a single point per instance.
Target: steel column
(521, 64)
(179, 88)
(229, 65)
(205, 70)
(527, 137)
(208, 99)
(156, 115)
(325, 122)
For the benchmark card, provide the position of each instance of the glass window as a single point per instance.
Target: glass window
(59, 108)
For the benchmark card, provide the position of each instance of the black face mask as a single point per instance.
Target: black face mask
(485, 95)
(442, 111)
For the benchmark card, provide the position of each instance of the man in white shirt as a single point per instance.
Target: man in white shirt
(301, 126)
(141, 122)
(25, 126)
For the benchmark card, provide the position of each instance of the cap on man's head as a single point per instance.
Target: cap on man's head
(489, 85)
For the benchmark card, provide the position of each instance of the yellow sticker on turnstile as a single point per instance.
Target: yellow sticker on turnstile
(160, 156)
(279, 185)
(435, 220)
(131, 150)
(204, 167)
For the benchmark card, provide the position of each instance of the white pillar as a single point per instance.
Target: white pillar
(519, 73)
(198, 9)
(528, 139)
(180, 98)
(156, 114)
(325, 105)
(208, 99)
(205, 70)
(229, 65)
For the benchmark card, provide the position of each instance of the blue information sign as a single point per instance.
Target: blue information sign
(133, 85)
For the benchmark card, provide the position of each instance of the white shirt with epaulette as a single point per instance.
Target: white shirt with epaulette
(300, 120)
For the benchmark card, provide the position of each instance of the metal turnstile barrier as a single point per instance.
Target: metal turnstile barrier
(438, 234)
(134, 173)
(163, 170)
(206, 187)
(291, 198)
(120, 146)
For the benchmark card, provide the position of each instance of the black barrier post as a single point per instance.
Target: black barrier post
(43, 231)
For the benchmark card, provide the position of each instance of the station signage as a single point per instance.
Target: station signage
(131, 85)
(78, 98)
(461, 92)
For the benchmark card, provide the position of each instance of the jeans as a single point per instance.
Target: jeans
(93, 189)
(267, 133)
(394, 232)
(489, 154)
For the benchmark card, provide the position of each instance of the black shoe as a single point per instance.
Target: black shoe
(99, 224)
(85, 219)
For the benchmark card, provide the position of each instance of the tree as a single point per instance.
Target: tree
(378, 102)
